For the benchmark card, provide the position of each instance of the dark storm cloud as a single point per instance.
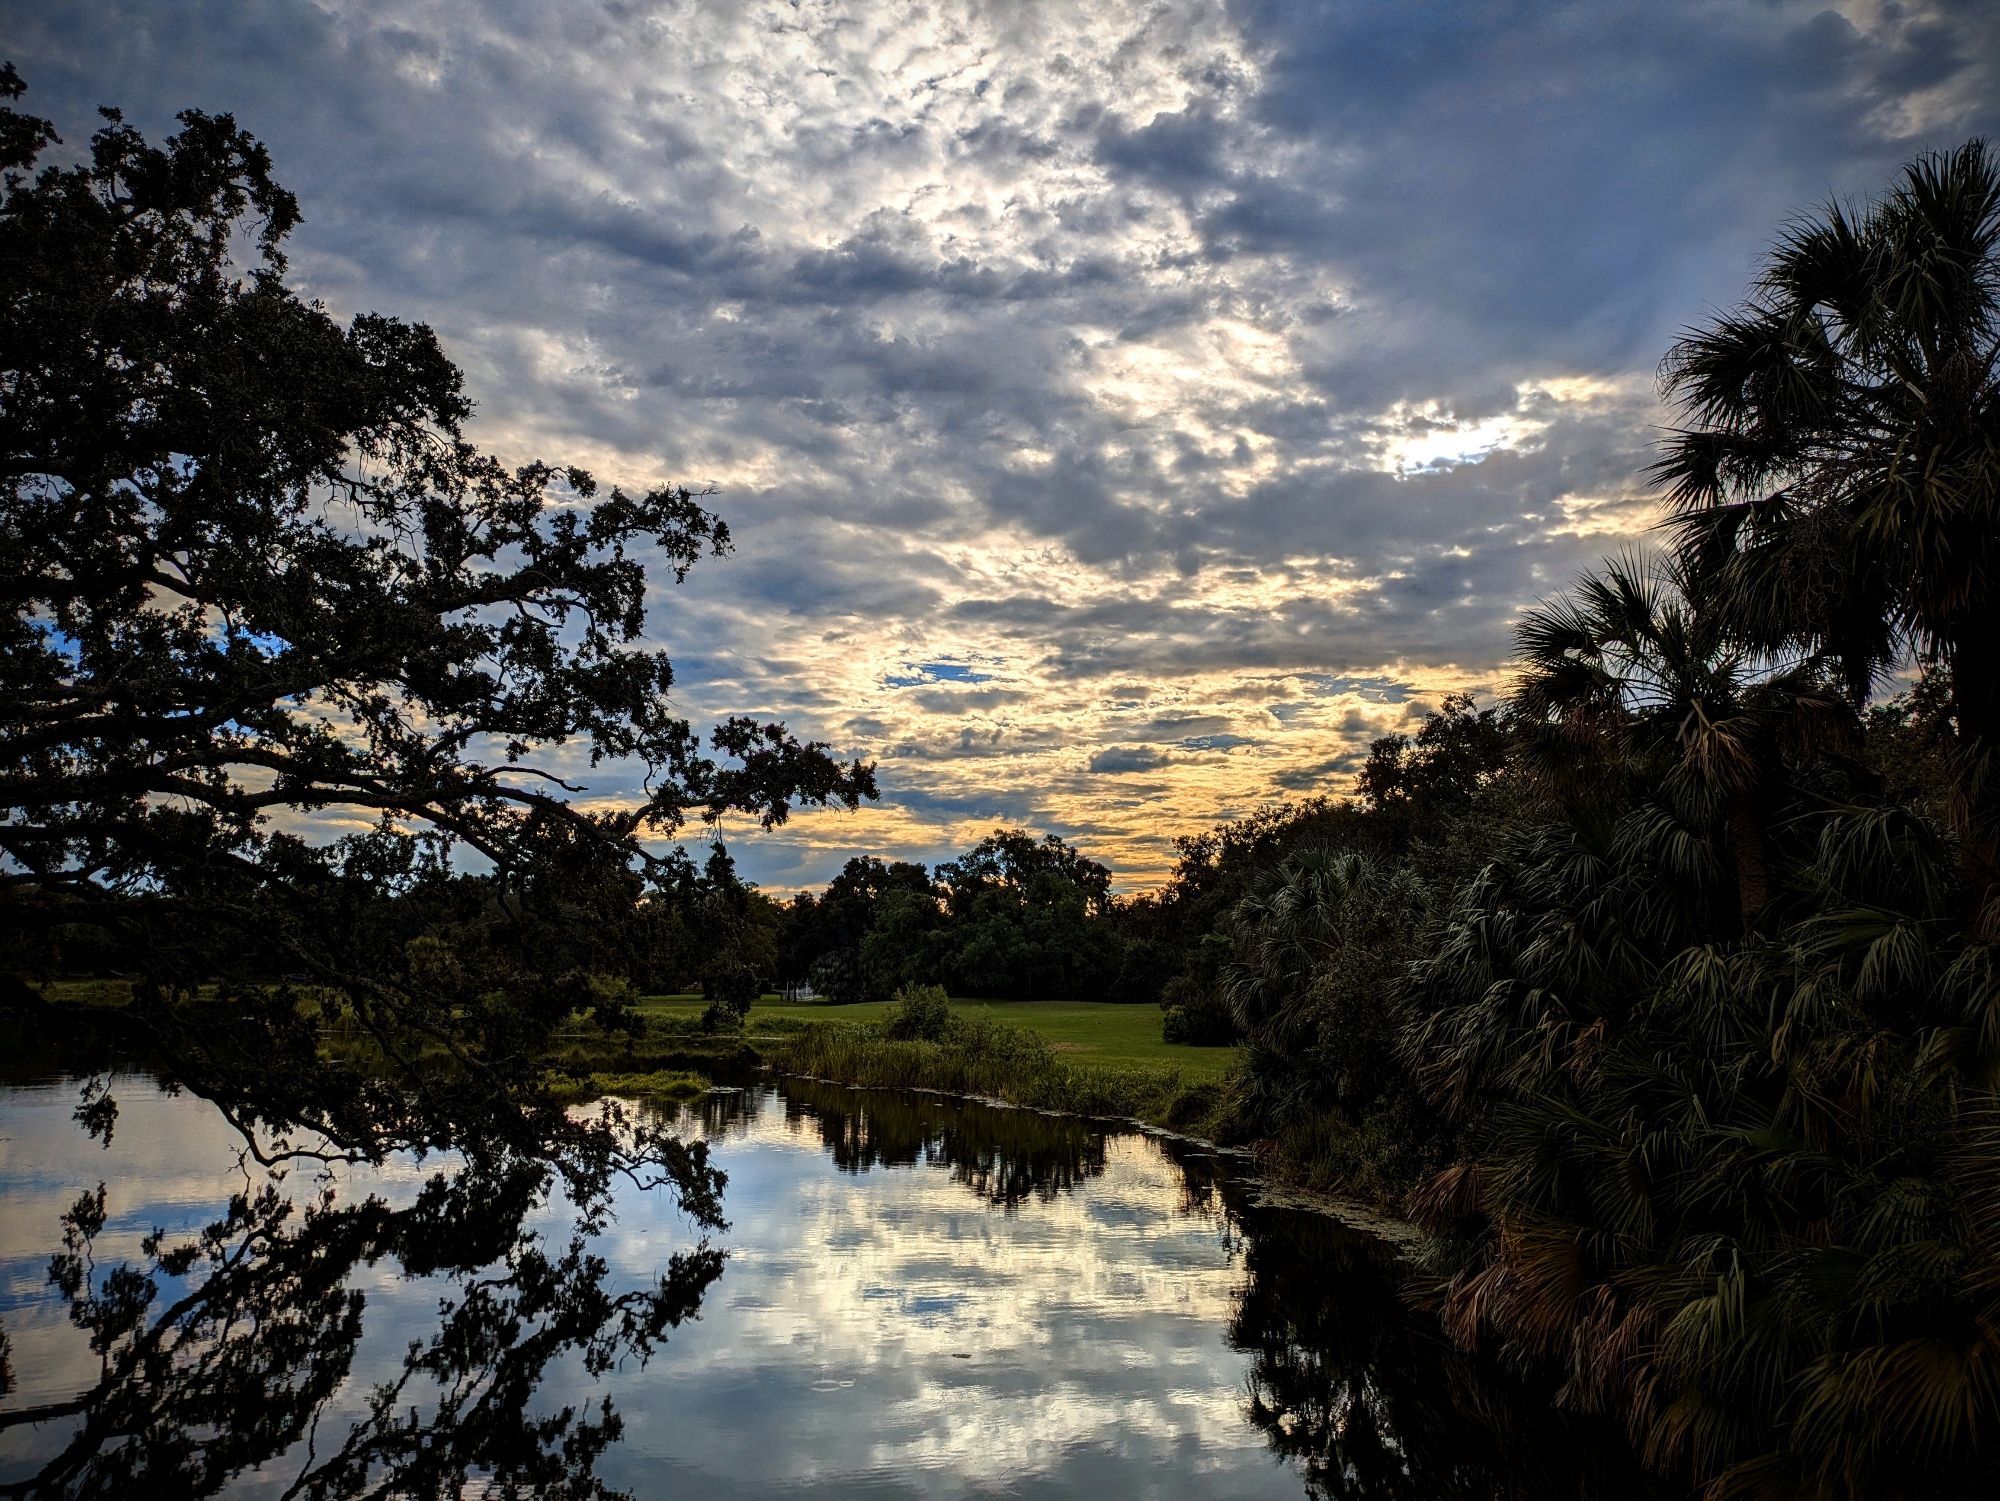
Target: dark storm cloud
(1242, 367)
(1317, 775)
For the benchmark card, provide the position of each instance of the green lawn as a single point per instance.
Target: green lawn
(1087, 1032)
(1082, 1031)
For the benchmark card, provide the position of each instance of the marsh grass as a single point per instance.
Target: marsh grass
(979, 1055)
(650, 1084)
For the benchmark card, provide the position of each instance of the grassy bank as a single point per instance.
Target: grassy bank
(977, 1053)
(1089, 1034)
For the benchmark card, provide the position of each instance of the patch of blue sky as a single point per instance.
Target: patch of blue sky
(264, 641)
(1215, 742)
(62, 643)
(920, 674)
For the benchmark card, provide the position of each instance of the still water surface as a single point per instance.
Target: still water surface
(921, 1297)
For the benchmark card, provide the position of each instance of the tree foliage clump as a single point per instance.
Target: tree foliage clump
(1298, 923)
(1014, 918)
(281, 640)
(922, 1013)
(1836, 489)
(1313, 958)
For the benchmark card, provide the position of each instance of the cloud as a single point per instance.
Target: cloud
(1116, 760)
(1067, 372)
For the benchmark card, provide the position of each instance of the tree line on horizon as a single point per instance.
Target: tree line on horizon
(1027, 917)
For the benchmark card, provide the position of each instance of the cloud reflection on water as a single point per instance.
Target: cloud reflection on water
(923, 1298)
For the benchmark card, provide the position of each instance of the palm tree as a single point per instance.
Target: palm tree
(1837, 483)
(1624, 669)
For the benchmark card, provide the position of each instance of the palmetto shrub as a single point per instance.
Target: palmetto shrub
(1745, 1193)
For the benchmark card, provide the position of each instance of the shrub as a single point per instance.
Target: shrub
(1196, 1011)
(1202, 1022)
(922, 1013)
(725, 1014)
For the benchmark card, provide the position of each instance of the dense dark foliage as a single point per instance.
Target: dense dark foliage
(1719, 1034)
(1014, 918)
(1837, 487)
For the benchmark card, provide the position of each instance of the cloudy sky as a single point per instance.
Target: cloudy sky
(1124, 411)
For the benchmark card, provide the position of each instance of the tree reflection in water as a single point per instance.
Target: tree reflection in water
(1372, 1402)
(1006, 1157)
(219, 1353)
(1346, 1380)
(224, 1353)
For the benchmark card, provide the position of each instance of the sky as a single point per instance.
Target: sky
(1124, 412)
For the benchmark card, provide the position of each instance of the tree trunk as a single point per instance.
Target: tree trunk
(1753, 867)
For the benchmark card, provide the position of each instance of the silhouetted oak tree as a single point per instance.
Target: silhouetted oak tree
(282, 652)
(280, 642)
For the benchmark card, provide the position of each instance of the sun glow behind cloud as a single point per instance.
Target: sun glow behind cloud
(1215, 382)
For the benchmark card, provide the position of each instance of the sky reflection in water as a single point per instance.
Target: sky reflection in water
(922, 1298)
